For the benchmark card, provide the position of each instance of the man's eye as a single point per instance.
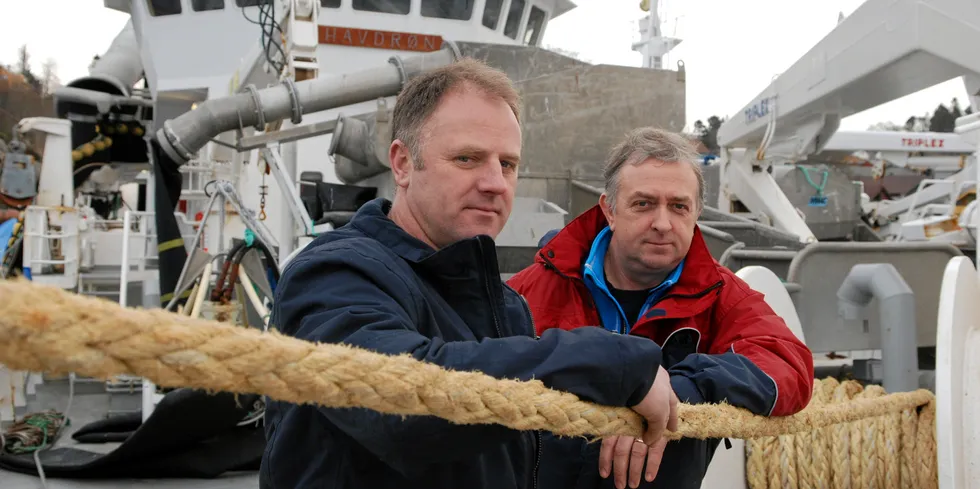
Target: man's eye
(464, 159)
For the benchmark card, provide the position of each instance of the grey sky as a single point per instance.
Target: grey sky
(731, 49)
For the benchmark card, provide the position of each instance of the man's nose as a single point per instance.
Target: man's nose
(492, 180)
(661, 220)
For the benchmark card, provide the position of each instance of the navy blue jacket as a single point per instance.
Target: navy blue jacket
(372, 285)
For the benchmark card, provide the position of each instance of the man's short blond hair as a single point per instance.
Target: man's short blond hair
(651, 143)
(422, 94)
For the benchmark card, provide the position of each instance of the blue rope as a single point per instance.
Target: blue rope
(818, 199)
(819, 188)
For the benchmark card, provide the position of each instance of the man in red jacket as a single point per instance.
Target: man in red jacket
(636, 264)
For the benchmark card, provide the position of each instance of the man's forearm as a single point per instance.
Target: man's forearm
(728, 377)
(591, 363)
(768, 368)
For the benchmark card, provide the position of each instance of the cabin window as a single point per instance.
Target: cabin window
(330, 3)
(491, 13)
(448, 9)
(205, 5)
(384, 6)
(513, 24)
(535, 23)
(250, 3)
(163, 7)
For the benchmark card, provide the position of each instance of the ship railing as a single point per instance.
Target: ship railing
(51, 245)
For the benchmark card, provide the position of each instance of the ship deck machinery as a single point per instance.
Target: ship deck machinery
(882, 52)
(886, 49)
(871, 185)
(203, 144)
(939, 208)
(809, 273)
(562, 97)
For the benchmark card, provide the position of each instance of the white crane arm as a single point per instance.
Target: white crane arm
(883, 51)
(898, 142)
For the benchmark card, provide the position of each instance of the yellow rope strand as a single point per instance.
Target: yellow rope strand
(890, 450)
(846, 437)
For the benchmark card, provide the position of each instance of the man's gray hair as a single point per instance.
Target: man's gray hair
(651, 143)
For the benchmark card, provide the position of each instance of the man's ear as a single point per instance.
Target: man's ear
(607, 211)
(400, 159)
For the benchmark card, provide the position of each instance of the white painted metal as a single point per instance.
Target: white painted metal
(920, 216)
(120, 65)
(945, 154)
(883, 51)
(224, 55)
(653, 45)
(727, 468)
(957, 384)
(54, 189)
(899, 142)
(195, 56)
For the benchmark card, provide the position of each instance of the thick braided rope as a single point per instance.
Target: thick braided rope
(46, 329)
(891, 450)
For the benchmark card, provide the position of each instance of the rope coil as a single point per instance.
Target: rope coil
(893, 449)
(50, 330)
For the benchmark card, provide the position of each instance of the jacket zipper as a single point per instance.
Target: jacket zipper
(493, 310)
(537, 433)
(527, 309)
(486, 281)
(696, 295)
(537, 459)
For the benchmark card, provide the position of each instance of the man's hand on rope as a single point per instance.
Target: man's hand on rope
(659, 408)
(626, 454)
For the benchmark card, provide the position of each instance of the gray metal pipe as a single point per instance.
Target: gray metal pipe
(110, 80)
(727, 255)
(769, 254)
(121, 65)
(182, 137)
(896, 303)
(587, 188)
(715, 233)
(350, 172)
(357, 149)
(723, 225)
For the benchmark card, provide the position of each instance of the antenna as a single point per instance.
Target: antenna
(652, 44)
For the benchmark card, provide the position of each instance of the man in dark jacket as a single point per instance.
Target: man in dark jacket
(419, 275)
(636, 265)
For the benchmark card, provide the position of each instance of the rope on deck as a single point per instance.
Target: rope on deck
(844, 435)
(894, 449)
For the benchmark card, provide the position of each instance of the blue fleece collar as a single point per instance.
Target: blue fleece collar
(610, 312)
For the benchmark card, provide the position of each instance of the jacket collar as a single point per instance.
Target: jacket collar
(372, 219)
(457, 259)
(569, 249)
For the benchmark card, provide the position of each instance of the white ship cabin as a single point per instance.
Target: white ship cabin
(194, 50)
(216, 35)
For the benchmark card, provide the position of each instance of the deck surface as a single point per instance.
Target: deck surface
(90, 404)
